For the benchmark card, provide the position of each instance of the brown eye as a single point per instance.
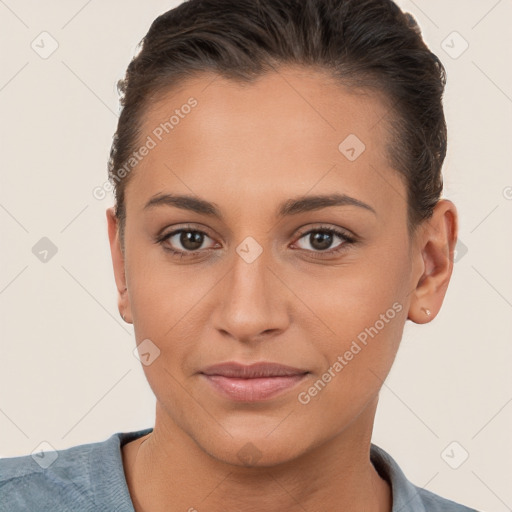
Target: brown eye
(191, 240)
(184, 242)
(320, 241)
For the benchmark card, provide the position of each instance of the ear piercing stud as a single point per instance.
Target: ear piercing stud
(427, 311)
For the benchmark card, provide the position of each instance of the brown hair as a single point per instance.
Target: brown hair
(361, 43)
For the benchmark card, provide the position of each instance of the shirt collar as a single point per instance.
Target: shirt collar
(405, 494)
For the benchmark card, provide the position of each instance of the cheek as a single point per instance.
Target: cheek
(364, 308)
(357, 297)
(364, 335)
(357, 360)
(161, 292)
(169, 306)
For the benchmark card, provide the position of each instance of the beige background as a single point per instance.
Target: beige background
(67, 372)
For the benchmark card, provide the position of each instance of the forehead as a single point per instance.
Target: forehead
(307, 103)
(284, 132)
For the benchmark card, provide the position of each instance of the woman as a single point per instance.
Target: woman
(278, 218)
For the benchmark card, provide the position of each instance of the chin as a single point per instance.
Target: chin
(255, 453)
(255, 446)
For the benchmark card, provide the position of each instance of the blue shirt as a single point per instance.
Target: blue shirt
(90, 477)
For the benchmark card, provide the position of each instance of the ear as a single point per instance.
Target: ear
(123, 300)
(435, 246)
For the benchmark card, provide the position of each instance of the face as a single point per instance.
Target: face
(257, 267)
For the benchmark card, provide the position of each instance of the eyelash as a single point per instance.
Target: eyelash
(347, 240)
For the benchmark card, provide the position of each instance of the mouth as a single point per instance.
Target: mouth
(252, 383)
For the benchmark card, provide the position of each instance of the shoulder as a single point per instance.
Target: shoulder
(406, 495)
(435, 503)
(85, 477)
(59, 479)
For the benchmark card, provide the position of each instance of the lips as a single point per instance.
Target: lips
(254, 382)
(252, 371)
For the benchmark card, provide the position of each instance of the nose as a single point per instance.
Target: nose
(252, 301)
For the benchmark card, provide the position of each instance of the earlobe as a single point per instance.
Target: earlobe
(118, 264)
(435, 247)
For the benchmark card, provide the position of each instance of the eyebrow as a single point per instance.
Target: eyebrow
(290, 207)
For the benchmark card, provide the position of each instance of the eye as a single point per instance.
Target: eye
(321, 239)
(189, 242)
(184, 241)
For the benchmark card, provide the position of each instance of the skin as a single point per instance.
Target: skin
(248, 148)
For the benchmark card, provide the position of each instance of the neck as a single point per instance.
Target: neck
(167, 470)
